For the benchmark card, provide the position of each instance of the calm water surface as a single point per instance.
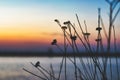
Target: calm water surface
(11, 68)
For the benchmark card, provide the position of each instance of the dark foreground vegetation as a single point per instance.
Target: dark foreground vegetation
(96, 68)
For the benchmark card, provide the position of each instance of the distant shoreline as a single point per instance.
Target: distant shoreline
(43, 54)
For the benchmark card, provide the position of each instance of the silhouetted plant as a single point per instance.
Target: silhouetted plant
(96, 69)
(54, 42)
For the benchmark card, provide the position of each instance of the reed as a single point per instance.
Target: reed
(96, 68)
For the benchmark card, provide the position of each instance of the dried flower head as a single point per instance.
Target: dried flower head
(54, 42)
(56, 20)
(73, 37)
(97, 40)
(98, 28)
(37, 64)
(67, 22)
(86, 34)
(64, 27)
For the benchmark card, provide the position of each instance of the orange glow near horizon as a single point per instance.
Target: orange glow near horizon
(33, 22)
(23, 35)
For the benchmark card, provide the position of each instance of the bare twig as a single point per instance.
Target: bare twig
(34, 74)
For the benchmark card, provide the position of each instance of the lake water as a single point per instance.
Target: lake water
(11, 68)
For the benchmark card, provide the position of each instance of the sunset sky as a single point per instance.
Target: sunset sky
(29, 24)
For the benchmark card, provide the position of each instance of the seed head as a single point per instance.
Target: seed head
(97, 40)
(98, 28)
(54, 42)
(37, 64)
(73, 37)
(67, 22)
(64, 27)
(56, 20)
(86, 34)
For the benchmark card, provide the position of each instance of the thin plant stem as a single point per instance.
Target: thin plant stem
(110, 27)
(34, 74)
(52, 71)
(41, 71)
(83, 33)
(115, 48)
(61, 65)
(110, 68)
(84, 68)
(104, 28)
(46, 71)
(79, 24)
(65, 53)
(80, 39)
(74, 59)
(117, 68)
(86, 37)
(84, 75)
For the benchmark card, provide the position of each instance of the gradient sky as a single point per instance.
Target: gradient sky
(29, 24)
